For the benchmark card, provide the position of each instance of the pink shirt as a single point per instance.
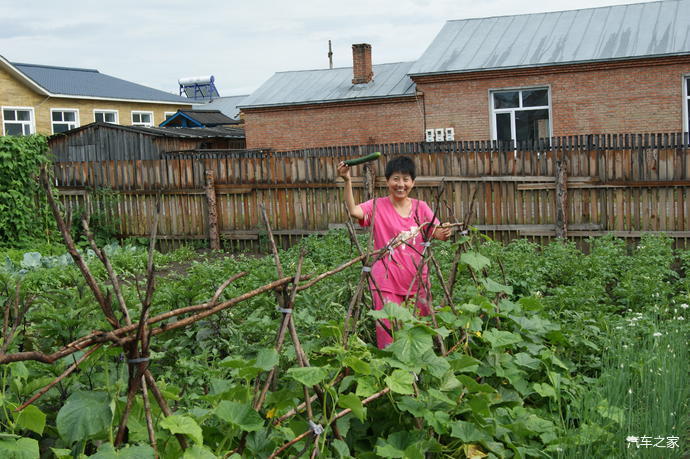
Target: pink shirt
(397, 270)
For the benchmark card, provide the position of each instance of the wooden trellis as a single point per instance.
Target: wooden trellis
(134, 336)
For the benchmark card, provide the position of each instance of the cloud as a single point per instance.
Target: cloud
(242, 43)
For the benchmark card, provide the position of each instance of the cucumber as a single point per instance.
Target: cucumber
(363, 159)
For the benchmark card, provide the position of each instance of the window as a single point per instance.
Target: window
(105, 116)
(142, 118)
(64, 119)
(169, 114)
(18, 121)
(521, 114)
(686, 104)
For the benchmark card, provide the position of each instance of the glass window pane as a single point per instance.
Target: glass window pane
(8, 115)
(146, 117)
(136, 118)
(688, 88)
(14, 129)
(503, 126)
(27, 129)
(57, 116)
(688, 114)
(60, 127)
(99, 118)
(510, 99)
(109, 117)
(23, 115)
(70, 116)
(535, 98)
(531, 124)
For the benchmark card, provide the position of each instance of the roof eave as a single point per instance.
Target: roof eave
(327, 101)
(549, 64)
(117, 99)
(23, 77)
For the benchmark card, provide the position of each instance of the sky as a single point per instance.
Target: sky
(241, 42)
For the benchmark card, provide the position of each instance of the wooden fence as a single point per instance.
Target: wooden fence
(620, 184)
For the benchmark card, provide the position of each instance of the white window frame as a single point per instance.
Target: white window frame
(32, 120)
(106, 110)
(141, 112)
(75, 122)
(494, 111)
(686, 101)
(165, 115)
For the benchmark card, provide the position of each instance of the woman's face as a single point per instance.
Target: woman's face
(400, 185)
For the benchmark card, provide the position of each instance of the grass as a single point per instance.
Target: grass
(642, 392)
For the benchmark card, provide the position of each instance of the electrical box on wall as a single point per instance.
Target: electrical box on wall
(439, 134)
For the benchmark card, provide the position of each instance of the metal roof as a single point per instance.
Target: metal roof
(331, 85)
(71, 81)
(227, 105)
(652, 29)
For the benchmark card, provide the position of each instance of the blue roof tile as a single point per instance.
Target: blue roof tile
(91, 83)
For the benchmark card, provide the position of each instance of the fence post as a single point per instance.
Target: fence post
(562, 197)
(214, 239)
(369, 182)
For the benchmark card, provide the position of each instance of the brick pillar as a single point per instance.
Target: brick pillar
(361, 63)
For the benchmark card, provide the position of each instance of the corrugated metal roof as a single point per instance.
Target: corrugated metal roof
(331, 85)
(91, 83)
(594, 34)
(227, 105)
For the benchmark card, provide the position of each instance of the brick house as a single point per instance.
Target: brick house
(613, 69)
(48, 100)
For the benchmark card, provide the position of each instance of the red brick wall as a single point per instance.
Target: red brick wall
(622, 98)
(619, 97)
(334, 124)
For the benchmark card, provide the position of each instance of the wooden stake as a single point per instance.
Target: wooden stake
(213, 235)
(562, 198)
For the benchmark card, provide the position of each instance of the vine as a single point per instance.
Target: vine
(24, 214)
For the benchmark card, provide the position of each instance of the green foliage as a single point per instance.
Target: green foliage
(23, 210)
(84, 415)
(538, 335)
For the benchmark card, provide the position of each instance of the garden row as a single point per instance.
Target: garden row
(550, 352)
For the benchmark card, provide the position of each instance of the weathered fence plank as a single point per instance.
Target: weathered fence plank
(624, 184)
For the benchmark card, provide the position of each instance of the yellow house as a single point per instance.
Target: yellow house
(47, 100)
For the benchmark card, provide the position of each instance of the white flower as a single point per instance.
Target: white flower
(630, 391)
(680, 318)
(684, 306)
(657, 334)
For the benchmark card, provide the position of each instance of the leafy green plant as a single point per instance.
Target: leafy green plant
(23, 210)
(534, 341)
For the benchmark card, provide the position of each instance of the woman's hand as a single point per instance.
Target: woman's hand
(344, 171)
(442, 232)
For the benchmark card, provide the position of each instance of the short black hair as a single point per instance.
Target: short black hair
(402, 165)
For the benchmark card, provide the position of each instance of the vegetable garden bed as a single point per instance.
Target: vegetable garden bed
(549, 353)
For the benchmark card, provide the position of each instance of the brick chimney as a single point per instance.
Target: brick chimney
(361, 64)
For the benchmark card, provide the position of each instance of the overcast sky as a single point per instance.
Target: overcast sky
(242, 43)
